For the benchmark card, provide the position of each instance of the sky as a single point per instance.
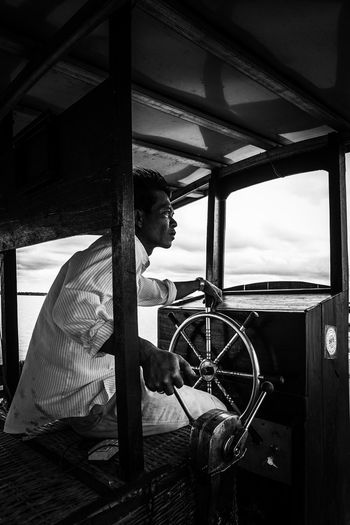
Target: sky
(276, 230)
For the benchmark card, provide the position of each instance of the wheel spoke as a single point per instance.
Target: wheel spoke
(229, 373)
(227, 396)
(227, 347)
(198, 382)
(208, 347)
(191, 345)
(242, 329)
(207, 338)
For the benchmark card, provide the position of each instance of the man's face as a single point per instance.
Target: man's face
(156, 228)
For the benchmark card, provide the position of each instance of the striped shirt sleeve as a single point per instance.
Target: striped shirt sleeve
(151, 292)
(82, 317)
(84, 307)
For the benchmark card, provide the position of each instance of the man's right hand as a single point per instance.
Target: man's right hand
(162, 370)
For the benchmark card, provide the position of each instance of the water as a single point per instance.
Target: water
(29, 307)
(28, 310)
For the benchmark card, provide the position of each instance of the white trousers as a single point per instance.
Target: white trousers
(160, 413)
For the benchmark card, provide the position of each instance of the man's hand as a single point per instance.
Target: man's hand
(184, 288)
(214, 293)
(163, 370)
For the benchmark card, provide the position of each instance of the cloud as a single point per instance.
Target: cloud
(37, 266)
(192, 226)
(275, 230)
(275, 217)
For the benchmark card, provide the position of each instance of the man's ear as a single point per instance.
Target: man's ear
(138, 219)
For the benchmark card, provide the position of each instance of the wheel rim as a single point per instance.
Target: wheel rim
(208, 367)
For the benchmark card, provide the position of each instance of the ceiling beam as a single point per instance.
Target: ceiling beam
(271, 157)
(181, 193)
(279, 153)
(180, 110)
(82, 22)
(180, 19)
(24, 47)
(175, 155)
(74, 69)
(95, 107)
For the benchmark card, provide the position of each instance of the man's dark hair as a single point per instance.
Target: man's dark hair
(147, 181)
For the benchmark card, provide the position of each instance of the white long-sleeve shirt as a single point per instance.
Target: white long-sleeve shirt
(64, 373)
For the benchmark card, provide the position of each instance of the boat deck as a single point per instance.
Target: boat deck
(49, 480)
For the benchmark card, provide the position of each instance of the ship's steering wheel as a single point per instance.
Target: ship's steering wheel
(209, 366)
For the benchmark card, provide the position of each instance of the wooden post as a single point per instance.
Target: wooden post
(337, 216)
(9, 322)
(215, 234)
(335, 372)
(123, 251)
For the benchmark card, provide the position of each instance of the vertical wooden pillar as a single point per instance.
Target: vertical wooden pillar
(335, 373)
(215, 234)
(337, 212)
(9, 321)
(123, 251)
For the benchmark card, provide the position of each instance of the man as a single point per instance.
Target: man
(69, 369)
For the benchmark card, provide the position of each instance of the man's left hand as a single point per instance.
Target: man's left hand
(199, 284)
(213, 292)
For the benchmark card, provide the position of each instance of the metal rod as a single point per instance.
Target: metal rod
(216, 224)
(246, 323)
(227, 347)
(244, 375)
(198, 382)
(183, 405)
(254, 434)
(266, 388)
(208, 344)
(185, 336)
(227, 396)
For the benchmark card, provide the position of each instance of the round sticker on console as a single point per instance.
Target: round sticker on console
(331, 340)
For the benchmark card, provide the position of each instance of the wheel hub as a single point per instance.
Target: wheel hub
(207, 369)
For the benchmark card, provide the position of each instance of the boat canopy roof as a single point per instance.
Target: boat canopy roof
(215, 85)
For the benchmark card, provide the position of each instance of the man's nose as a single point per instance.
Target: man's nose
(173, 222)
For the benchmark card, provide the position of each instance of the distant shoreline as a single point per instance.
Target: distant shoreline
(31, 293)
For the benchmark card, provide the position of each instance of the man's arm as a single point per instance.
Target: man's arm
(187, 287)
(162, 370)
